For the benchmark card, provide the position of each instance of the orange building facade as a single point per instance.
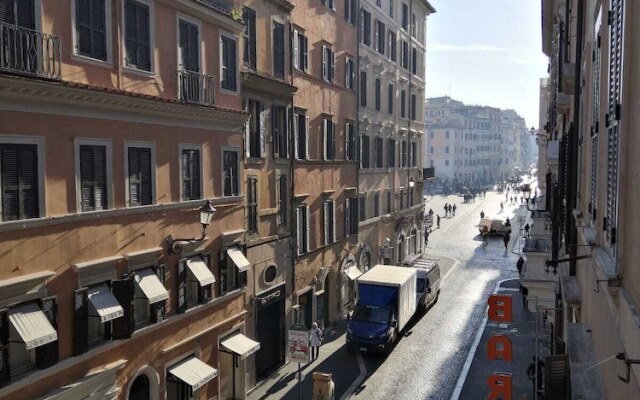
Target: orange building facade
(118, 120)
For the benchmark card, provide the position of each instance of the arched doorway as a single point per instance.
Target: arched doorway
(140, 388)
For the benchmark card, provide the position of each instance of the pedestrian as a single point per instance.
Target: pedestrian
(438, 221)
(315, 340)
(507, 223)
(501, 207)
(482, 214)
(426, 237)
(519, 265)
(511, 200)
(485, 236)
(450, 210)
(430, 212)
(446, 209)
(506, 240)
(521, 200)
(454, 210)
(526, 230)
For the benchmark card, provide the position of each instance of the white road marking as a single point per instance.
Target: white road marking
(359, 379)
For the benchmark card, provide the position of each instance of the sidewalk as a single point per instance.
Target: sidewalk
(522, 333)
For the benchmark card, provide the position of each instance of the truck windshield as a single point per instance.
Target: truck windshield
(420, 285)
(377, 315)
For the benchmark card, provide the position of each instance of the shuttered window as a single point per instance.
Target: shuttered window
(376, 204)
(231, 173)
(391, 153)
(301, 135)
(365, 148)
(613, 115)
(329, 131)
(124, 290)
(255, 146)
(300, 51)
(278, 50)
(189, 46)
(91, 29)
(363, 89)
(229, 70)
(595, 123)
(47, 354)
(279, 127)
(282, 200)
(365, 28)
(351, 145)
(403, 103)
(362, 207)
(379, 157)
(140, 176)
(19, 181)
(81, 322)
(249, 53)
(137, 35)
(391, 94)
(329, 214)
(302, 229)
(252, 204)
(378, 94)
(18, 12)
(351, 216)
(191, 174)
(93, 177)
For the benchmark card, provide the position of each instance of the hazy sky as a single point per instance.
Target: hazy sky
(487, 52)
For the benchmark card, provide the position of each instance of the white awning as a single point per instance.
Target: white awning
(200, 270)
(193, 372)
(150, 285)
(353, 272)
(240, 345)
(239, 259)
(32, 325)
(105, 304)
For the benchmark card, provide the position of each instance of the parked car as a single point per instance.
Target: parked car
(493, 226)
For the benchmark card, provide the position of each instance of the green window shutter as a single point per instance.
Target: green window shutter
(124, 290)
(81, 322)
(47, 355)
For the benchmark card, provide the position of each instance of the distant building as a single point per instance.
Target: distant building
(473, 145)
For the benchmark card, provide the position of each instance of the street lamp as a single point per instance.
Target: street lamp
(206, 215)
(412, 183)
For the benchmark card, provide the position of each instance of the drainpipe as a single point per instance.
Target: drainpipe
(573, 143)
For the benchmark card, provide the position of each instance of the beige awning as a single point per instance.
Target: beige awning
(193, 372)
(239, 259)
(240, 345)
(151, 286)
(353, 272)
(105, 304)
(200, 271)
(32, 325)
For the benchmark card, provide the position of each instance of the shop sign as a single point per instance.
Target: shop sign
(273, 296)
(499, 347)
(298, 347)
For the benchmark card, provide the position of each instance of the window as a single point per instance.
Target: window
(349, 73)
(391, 94)
(362, 207)
(233, 268)
(249, 53)
(389, 202)
(149, 297)
(392, 46)
(189, 47)
(329, 214)
(137, 35)
(92, 29)
(446, 163)
(255, 139)
(446, 135)
(376, 204)
(229, 71)
(431, 134)
(414, 107)
(379, 152)
(94, 189)
(403, 103)
(413, 25)
(350, 11)
(330, 3)
(595, 125)
(329, 137)
(414, 61)
(278, 50)
(26, 346)
(401, 199)
(328, 64)
(391, 7)
(140, 388)
(405, 17)
(282, 200)
(446, 149)
(230, 173)
(379, 3)
(279, 126)
(391, 153)
(403, 153)
(140, 175)
(252, 204)
(20, 180)
(351, 146)
(351, 213)
(300, 51)
(363, 89)
(364, 151)
(405, 54)
(301, 134)
(191, 173)
(302, 229)
(365, 28)
(378, 95)
(414, 154)
(380, 32)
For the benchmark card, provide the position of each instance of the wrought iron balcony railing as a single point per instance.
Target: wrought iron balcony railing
(24, 51)
(195, 87)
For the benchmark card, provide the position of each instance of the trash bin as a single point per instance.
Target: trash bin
(323, 386)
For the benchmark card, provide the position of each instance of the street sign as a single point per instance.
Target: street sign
(298, 344)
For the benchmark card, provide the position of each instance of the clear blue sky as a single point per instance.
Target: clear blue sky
(487, 52)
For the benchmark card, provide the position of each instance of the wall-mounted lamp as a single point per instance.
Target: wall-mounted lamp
(623, 366)
(412, 183)
(206, 215)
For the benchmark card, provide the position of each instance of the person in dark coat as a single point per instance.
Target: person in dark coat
(438, 220)
(482, 214)
(526, 230)
(454, 210)
(520, 265)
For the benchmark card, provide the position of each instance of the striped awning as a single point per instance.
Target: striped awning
(239, 259)
(150, 285)
(105, 303)
(240, 345)
(200, 271)
(193, 372)
(32, 325)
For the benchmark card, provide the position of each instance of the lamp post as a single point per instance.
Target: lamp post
(206, 215)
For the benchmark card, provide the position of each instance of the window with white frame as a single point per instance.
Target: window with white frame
(351, 149)
(93, 28)
(329, 138)
(365, 27)
(188, 46)
(351, 10)
(328, 63)
(252, 204)
(249, 51)
(302, 229)
(301, 135)
(256, 128)
(282, 192)
(191, 172)
(405, 17)
(349, 73)
(300, 50)
(21, 179)
(329, 214)
(94, 174)
(379, 36)
(278, 50)
(392, 52)
(231, 172)
(376, 204)
(228, 64)
(280, 131)
(137, 31)
(140, 174)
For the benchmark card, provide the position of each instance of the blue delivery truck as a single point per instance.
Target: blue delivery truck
(386, 301)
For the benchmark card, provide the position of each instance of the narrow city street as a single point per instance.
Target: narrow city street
(427, 362)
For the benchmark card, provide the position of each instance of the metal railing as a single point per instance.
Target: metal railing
(195, 87)
(27, 52)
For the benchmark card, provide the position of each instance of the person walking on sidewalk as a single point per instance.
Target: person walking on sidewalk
(506, 240)
(446, 209)
(526, 230)
(482, 214)
(426, 237)
(438, 220)
(454, 210)
(519, 265)
(315, 341)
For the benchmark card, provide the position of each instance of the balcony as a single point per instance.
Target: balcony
(196, 88)
(536, 277)
(27, 52)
